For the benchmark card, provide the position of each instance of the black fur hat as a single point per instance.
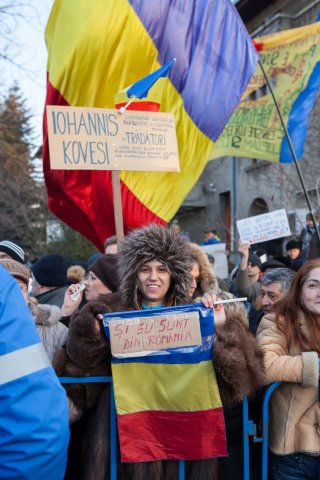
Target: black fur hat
(155, 242)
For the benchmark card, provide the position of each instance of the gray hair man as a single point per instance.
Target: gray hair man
(274, 285)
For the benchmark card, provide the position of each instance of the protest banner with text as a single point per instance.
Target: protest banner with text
(291, 60)
(262, 228)
(103, 139)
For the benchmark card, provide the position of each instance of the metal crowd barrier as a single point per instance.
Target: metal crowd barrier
(249, 429)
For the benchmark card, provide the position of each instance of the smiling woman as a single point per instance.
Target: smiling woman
(290, 340)
(155, 266)
(154, 283)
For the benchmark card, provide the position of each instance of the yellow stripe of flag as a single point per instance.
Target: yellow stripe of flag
(162, 386)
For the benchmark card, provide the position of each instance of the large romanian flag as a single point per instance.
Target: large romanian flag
(97, 48)
(168, 403)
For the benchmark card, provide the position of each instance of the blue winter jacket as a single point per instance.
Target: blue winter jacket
(34, 430)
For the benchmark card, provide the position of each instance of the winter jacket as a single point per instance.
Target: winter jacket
(238, 366)
(310, 243)
(53, 297)
(33, 406)
(294, 406)
(52, 332)
(245, 288)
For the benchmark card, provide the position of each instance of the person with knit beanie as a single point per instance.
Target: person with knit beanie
(12, 251)
(49, 279)
(102, 277)
(293, 248)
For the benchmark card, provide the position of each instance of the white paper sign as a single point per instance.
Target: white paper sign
(264, 227)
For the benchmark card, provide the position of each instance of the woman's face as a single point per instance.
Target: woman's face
(195, 272)
(153, 283)
(94, 288)
(310, 293)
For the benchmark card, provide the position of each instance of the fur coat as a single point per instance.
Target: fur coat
(238, 366)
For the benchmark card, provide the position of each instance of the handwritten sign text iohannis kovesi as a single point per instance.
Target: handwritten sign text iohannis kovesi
(103, 139)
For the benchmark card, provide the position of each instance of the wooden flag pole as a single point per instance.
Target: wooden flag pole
(117, 206)
(291, 148)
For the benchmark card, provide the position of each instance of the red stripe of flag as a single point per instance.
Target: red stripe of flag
(172, 435)
(258, 45)
(140, 106)
(83, 199)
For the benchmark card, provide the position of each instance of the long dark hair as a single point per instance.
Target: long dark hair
(288, 311)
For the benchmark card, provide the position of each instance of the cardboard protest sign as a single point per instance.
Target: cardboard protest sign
(152, 333)
(103, 139)
(261, 228)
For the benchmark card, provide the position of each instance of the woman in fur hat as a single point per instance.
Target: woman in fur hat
(154, 270)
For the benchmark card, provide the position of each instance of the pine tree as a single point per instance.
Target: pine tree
(22, 198)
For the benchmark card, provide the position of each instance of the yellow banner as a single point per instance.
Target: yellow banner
(254, 130)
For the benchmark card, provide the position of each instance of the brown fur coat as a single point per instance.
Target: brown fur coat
(238, 366)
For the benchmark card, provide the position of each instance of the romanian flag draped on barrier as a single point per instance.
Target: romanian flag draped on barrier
(292, 62)
(98, 48)
(168, 403)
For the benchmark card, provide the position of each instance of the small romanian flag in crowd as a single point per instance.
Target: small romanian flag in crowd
(151, 86)
(168, 403)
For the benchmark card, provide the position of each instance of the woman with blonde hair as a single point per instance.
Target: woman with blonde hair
(290, 340)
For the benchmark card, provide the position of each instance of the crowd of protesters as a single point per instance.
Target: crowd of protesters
(272, 337)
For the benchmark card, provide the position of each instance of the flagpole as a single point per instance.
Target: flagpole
(124, 108)
(117, 206)
(291, 148)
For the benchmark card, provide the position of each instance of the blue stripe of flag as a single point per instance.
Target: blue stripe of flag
(188, 355)
(214, 53)
(299, 118)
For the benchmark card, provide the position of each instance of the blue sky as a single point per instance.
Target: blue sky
(29, 51)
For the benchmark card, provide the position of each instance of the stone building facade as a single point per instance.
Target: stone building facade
(234, 188)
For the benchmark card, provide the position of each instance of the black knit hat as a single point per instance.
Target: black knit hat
(105, 268)
(254, 260)
(51, 270)
(12, 249)
(293, 244)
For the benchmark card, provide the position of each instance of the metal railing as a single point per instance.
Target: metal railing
(249, 429)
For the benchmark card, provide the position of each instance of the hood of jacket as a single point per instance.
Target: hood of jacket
(155, 242)
(43, 314)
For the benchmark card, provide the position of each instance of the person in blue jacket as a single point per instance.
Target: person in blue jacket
(34, 430)
(211, 237)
